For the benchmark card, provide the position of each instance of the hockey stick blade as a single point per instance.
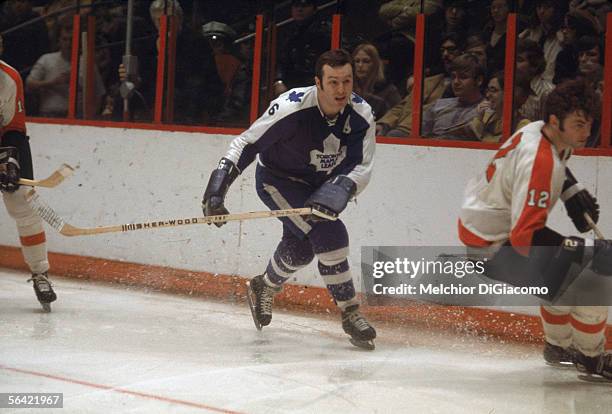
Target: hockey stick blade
(66, 229)
(51, 181)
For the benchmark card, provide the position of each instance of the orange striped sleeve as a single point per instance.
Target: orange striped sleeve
(17, 122)
(470, 239)
(534, 212)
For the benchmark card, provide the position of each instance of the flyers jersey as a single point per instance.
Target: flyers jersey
(12, 109)
(513, 197)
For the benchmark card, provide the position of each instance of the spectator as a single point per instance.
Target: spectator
(397, 122)
(447, 117)
(495, 33)
(198, 89)
(530, 66)
(370, 81)
(477, 46)
(50, 77)
(361, 23)
(455, 16)
(578, 23)
(487, 126)
(544, 26)
(400, 15)
(306, 38)
(24, 46)
(233, 70)
(596, 8)
(590, 68)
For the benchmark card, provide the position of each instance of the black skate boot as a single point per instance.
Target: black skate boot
(260, 297)
(558, 357)
(361, 332)
(595, 369)
(44, 291)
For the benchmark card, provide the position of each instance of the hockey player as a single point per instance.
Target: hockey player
(509, 205)
(16, 162)
(315, 147)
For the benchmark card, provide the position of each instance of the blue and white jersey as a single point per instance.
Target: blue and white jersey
(295, 138)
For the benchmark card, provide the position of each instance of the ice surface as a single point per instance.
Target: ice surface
(113, 350)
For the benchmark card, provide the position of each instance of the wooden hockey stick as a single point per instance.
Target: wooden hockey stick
(51, 181)
(66, 229)
(593, 226)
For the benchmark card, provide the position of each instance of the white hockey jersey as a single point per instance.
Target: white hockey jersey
(513, 197)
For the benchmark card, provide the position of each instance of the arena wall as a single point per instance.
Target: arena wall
(128, 175)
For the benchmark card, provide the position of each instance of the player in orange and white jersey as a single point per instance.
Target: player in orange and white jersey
(15, 163)
(509, 205)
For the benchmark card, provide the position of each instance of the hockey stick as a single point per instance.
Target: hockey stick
(51, 181)
(593, 226)
(66, 229)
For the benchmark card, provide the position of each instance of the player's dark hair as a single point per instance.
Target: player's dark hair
(334, 58)
(572, 96)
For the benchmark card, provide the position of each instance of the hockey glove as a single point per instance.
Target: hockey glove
(9, 169)
(582, 251)
(579, 201)
(331, 198)
(218, 184)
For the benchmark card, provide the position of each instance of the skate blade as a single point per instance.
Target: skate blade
(595, 379)
(250, 296)
(46, 307)
(561, 365)
(368, 345)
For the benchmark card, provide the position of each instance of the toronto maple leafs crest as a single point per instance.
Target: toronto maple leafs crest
(333, 154)
(295, 96)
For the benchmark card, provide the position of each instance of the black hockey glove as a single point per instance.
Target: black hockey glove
(331, 198)
(218, 184)
(578, 201)
(9, 169)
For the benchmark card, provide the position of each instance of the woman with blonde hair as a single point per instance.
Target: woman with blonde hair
(370, 82)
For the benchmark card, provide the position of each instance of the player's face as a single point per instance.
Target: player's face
(335, 89)
(575, 129)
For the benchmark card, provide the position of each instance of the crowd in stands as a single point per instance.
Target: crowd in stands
(464, 55)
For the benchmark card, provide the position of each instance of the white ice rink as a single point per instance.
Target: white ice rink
(112, 350)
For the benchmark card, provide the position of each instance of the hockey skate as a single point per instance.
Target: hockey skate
(260, 297)
(558, 357)
(44, 291)
(361, 332)
(594, 369)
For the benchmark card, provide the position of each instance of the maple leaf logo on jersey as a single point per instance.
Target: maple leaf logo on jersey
(295, 96)
(332, 155)
(357, 98)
